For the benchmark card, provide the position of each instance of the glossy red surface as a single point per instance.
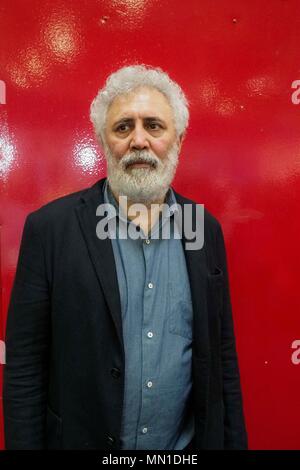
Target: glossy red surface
(241, 157)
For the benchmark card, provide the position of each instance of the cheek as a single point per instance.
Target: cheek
(119, 148)
(161, 148)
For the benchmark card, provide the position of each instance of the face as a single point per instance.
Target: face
(141, 145)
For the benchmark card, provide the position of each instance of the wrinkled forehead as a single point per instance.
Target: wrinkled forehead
(140, 102)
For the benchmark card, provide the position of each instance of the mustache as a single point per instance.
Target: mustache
(139, 157)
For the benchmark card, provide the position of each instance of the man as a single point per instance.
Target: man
(115, 342)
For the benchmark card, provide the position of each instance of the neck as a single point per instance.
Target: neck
(147, 218)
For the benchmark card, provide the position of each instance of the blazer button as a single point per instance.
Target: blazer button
(115, 372)
(111, 440)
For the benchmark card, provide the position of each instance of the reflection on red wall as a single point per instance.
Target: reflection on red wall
(237, 62)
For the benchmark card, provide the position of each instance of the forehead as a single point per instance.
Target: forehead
(142, 102)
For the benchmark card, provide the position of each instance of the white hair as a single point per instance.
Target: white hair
(128, 79)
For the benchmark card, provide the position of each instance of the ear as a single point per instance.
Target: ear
(100, 140)
(180, 140)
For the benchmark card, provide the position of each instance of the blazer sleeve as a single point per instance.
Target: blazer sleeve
(234, 422)
(27, 346)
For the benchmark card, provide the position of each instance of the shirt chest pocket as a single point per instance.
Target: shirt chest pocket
(180, 312)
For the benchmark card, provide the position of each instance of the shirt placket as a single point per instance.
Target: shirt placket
(148, 344)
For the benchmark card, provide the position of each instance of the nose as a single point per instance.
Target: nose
(139, 140)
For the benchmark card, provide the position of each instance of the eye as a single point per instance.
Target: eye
(122, 128)
(154, 126)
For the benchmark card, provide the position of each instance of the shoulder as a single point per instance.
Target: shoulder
(214, 242)
(61, 209)
(211, 222)
(56, 208)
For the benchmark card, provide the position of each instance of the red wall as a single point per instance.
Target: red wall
(241, 158)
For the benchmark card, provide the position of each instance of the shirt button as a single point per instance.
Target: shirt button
(110, 440)
(150, 334)
(149, 384)
(144, 430)
(150, 285)
(147, 241)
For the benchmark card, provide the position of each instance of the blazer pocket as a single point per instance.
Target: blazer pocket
(216, 274)
(215, 292)
(54, 429)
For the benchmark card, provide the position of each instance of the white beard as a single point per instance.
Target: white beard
(142, 185)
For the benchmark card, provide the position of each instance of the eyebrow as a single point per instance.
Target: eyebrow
(146, 119)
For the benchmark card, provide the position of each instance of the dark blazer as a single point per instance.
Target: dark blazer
(64, 373)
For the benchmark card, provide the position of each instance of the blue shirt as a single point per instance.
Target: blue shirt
(157, 318)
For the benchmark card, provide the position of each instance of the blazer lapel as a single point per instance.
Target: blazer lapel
(101, 252)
